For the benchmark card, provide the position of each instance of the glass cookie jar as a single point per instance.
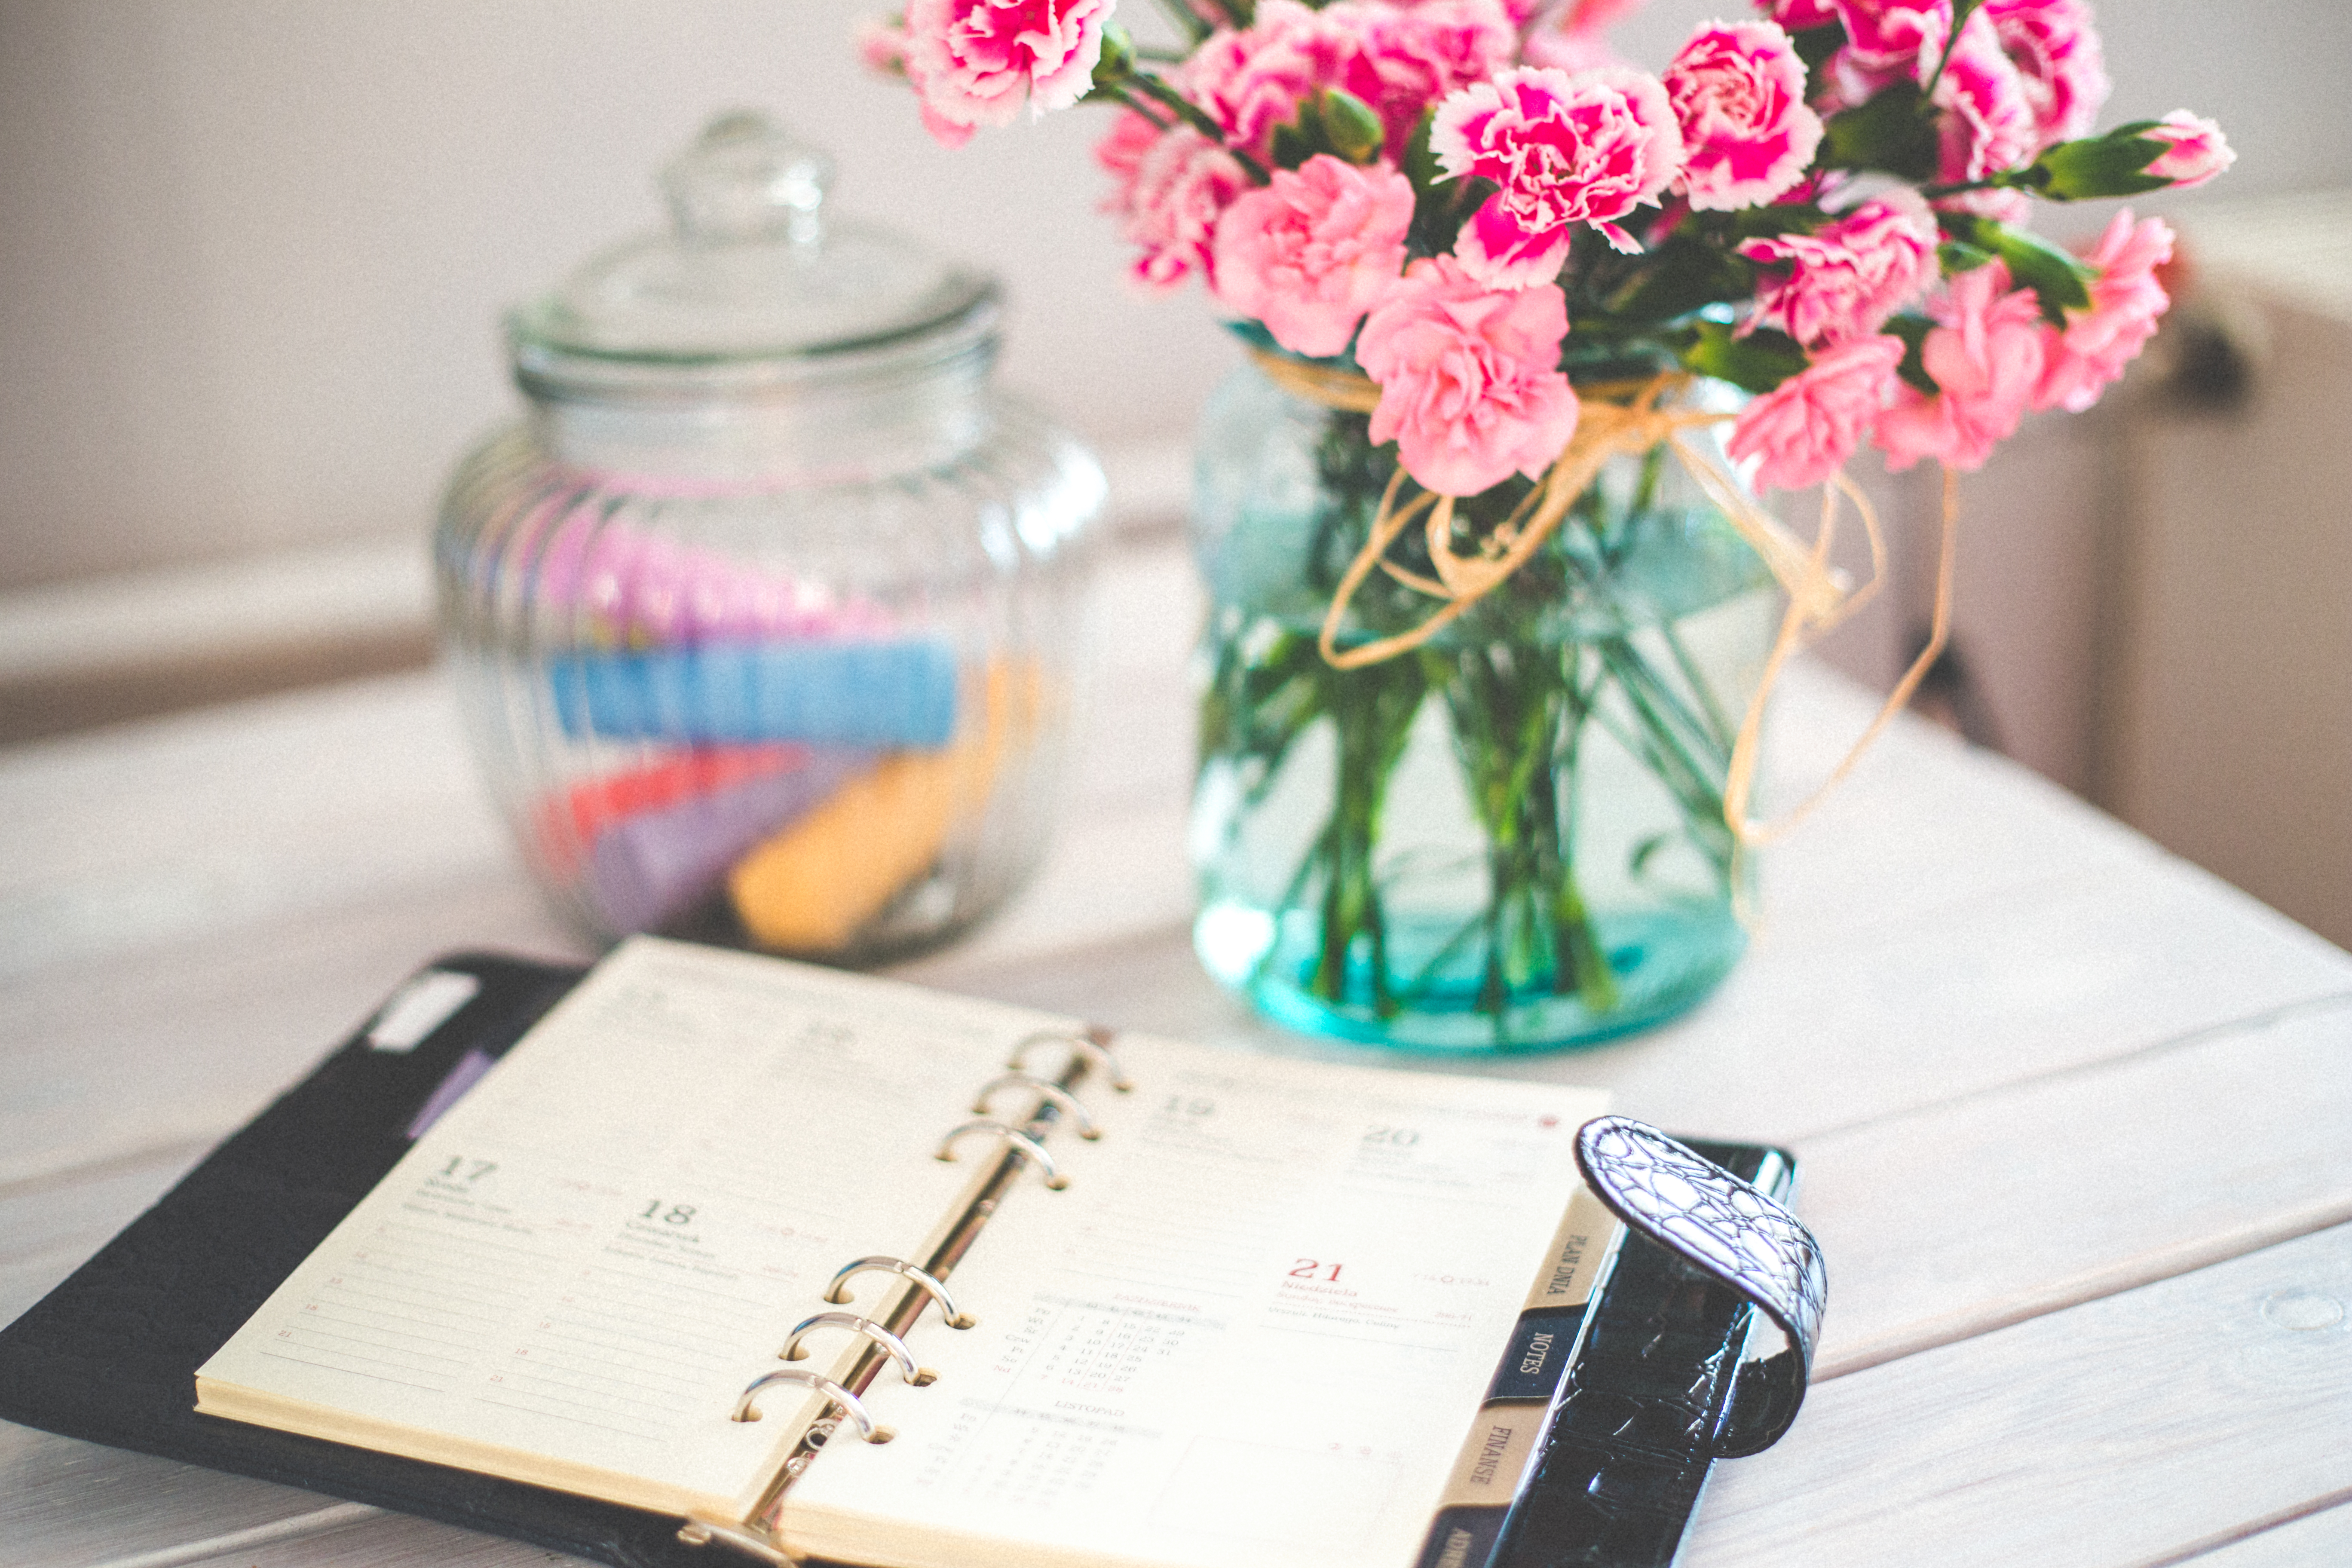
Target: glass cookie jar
(764, 617)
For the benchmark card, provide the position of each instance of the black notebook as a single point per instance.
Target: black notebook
(1214, 1332)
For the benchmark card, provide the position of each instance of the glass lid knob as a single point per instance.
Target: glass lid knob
(745, 179)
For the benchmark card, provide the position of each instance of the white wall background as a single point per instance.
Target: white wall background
(252, 252)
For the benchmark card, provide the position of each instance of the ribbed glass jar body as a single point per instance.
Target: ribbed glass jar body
(784, 662)
(1509, 838)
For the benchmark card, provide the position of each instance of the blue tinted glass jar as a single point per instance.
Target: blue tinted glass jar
(1511, 837)
(764, 617)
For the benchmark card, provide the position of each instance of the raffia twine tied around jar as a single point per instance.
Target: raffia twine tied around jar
(1621, 418)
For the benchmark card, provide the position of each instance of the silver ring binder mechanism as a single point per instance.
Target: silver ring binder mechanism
(1052, 1099)
(1085, 1045)
(1047, 1090)
(746, 1410)
(891, 1344)
(1030, 1149)
(835, 1294)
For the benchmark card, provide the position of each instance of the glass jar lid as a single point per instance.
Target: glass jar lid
(754, 286)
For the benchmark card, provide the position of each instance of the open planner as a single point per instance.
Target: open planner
(821, 1265)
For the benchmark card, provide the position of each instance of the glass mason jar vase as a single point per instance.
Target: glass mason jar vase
(1511, 837)
(764, 617)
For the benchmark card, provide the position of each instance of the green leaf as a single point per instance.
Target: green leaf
(1439, 200)
(1117, 62)
(1914, 330)
(1816, 44)
(2114, 164)
(1350, 126)
(1678, 276)
(1958, 255)
(1294, 144)
(2057, 278)
(1770, 222)
(1421, 165)
(1758, 361)
(1890, 132)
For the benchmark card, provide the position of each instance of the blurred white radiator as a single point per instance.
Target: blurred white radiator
(2228, 730)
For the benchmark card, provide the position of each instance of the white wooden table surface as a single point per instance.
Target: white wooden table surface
(2074, 1119)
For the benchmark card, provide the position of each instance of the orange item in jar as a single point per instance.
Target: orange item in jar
(811, 889)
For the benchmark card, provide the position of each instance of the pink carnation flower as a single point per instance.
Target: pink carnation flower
(1471, 390)
(1799, 15)
(976, 62)
(2196, 151)
(1397, 58)
(1738, 93)
(2127, 302)
(1310, 253)
(2060, 69)
(1172, 187)
(1121, 152)
(1986, 357)
(1803, 430)
(1574, 38)
(1565, 149)
(1901, 37)
(1988, 121)
(1843, 282)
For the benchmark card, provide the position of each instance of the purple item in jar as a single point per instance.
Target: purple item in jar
(648, 869)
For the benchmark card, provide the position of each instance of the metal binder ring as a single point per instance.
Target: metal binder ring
(1051, 1090)
(746, 1411)
(890, 1343)
(904, 1270)
(1026, 1146)
(1086, 1045)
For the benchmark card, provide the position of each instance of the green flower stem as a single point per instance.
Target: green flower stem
(1372, 710)
(1577, 646)
(1721, 731)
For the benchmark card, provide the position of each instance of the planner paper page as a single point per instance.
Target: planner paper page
(1255, 1328)
(574, 1274)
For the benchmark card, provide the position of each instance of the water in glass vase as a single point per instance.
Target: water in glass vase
(1509, 838)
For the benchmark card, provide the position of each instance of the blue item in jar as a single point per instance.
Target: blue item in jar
(649, 867)
(862, 692)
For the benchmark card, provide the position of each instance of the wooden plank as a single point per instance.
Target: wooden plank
(47, 1228)
(387, 1541)
(1943, 1224)
(1808, 1038)
(67, 1505)
(116, 1057)
(2304, 1541)
(121, 839)
(2122, 1432)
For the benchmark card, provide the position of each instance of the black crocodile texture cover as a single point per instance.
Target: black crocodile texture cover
(1636, 1430)
(110, 1355)
(1691, 1206)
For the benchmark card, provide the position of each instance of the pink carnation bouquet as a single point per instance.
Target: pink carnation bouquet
(1496, 258)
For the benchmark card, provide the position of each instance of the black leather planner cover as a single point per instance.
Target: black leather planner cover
(110, 1355)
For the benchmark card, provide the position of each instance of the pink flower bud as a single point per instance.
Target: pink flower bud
(881, 43)
(2195, 151)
